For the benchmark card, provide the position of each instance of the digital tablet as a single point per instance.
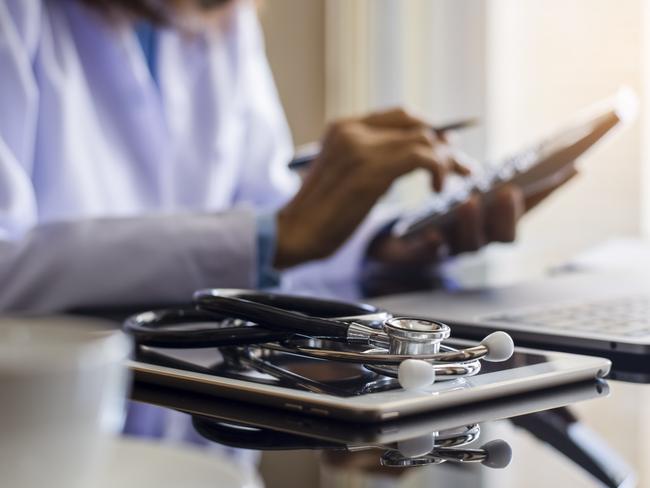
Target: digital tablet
(536, 168)
(350, 391)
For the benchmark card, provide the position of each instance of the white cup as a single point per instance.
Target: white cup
(63, 384)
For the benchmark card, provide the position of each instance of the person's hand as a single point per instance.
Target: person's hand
(474, 224)
(360, 159)
(399, 265)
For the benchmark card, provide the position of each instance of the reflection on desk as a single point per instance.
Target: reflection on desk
(467, 436)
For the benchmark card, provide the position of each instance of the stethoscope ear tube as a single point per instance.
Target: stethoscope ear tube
(233, 435)
(272, 317)
(150, 329)
(308, 305)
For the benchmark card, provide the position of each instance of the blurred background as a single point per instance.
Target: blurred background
(522, 68)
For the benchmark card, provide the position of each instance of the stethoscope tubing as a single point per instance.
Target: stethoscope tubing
(273, 317)
(307, 305)
(274, 327)
(152, 329)
(321, 328)
(407, 348)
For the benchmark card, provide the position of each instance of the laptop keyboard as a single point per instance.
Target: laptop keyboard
(629, 317)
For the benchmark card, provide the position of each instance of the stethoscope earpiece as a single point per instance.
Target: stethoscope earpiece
(415, 374)
(500, 346)
(417, 446)
(498, 454)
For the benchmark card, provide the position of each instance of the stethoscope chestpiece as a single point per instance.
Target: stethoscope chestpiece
(421, 339)
(415, 335)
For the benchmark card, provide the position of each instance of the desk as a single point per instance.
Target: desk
(620, 423)
(616, 426)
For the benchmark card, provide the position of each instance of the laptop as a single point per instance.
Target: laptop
(591, 312)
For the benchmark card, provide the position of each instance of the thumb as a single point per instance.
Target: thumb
(427, 247)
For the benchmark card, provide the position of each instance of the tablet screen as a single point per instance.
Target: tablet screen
(342, 379)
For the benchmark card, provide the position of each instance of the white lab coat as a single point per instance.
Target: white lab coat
(116, 191)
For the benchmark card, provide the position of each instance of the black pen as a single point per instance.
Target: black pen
(307, 153)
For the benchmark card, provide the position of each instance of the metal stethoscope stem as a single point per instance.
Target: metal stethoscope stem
(452, 356)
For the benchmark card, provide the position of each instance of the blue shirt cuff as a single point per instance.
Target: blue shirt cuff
(267, 275)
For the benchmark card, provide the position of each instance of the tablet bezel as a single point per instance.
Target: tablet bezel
(558, 369)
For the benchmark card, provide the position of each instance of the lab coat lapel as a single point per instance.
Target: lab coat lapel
(114, 59)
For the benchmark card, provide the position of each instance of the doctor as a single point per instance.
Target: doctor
(143, 155)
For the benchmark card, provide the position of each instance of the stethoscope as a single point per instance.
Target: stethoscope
(451, 445)
(407, 348)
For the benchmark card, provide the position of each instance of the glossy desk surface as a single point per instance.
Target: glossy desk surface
(596, 442)
(599, 441)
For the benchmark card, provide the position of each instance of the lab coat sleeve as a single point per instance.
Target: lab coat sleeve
(95, 262)
(126, 261)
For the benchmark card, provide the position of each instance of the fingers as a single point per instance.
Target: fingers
(419, 148)
(393, 143)
(428, 247)
(428, 159)
(418, 131)
(395, 118)
(466, 233)
(459, 168)
(451, 159)
(412, 135)
(502, 214)
(463, 163)
(476, 222)
(447, 136)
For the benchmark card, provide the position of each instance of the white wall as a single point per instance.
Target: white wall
(645, 123)
(547, 59)
(295, 42)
